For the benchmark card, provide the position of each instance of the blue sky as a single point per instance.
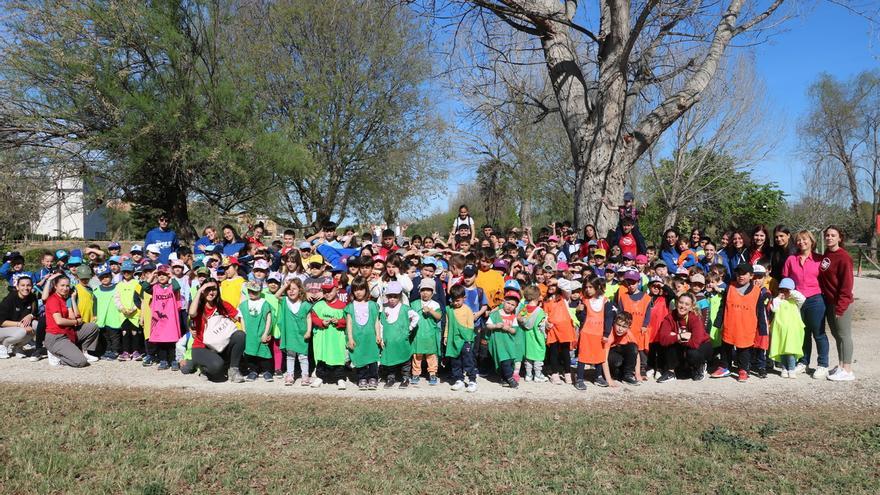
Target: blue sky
(823, 38)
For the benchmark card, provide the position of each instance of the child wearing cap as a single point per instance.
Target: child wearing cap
(164, 316)
(272, 287)
(127, 297)
(232, 287)
(426, 342)
(478, 303)
(698, 290)
(787, 329)
(364, 334)
(742, 317)
(459, 338)
(560, 331)
(108, 317)
(255, 315)
(293, 318)
(631, 299)
(660, 303)
(398, 322)
(533, 320)
(327, 330)
(504, 326)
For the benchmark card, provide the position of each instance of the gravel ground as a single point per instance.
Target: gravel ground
(865, 391)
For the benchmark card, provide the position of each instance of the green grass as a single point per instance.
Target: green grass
(78, 440)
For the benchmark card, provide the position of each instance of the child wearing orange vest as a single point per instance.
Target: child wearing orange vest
(637, 303)
(560, 333)
(623, 353)
(597, 325)
(742, 318)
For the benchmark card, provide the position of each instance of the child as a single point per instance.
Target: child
(503, 327)
(232, 286)
(146, 274)
(533, 321)
(560, 333)
(127, 295)
(459, 340)
(597, 326)
(164, 316)
(659, 309)
(742, 318)
(476, 300)
(107, 314)
(255, 315)
(787, 329)
(714, 290)
(638, 304)
(326, 329)
(364, 334)
(697, 286)
(272, 287)
(426, 343)
(688, 257)
(397, 321)
(293, 317)
(623, 353)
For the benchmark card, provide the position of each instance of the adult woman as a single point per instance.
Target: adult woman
(737, 251)
(803, 268)
(209, 237)
(232, 243)
(18, 315)
(760, 248)
(668, 252)
(682, 334)
(591, 239)
(836, 282)
(696, 235)
(68, 339)
(782, 249)
(205, 305)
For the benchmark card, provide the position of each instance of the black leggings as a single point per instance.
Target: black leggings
(369, 371)
(132, 337)
(329, 373)
(258, 364)
(113, 337)
(558, 359)
(402, 370)
(695, 358)
(743, 356)
(165, 351)
(213, 363)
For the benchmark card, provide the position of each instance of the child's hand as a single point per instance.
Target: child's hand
(351, 344)
(605, 339)
(307, 335)
(265, 339)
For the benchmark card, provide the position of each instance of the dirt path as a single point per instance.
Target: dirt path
(864, 391)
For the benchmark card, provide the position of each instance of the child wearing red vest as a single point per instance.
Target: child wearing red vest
(742, 318)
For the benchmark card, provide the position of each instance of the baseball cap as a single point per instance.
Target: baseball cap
(698, 278)
(315, 259)
(632, 275)
(163, 268)
(102, 271)
(177, 262)
(627, 196)
(428, 283)
(628, 256)
(621, 269)
(329, 284)
(230, 261)
(83, 271)
(656, 280)
(512, 294)
(276, 276)
(743, 268)
(115, 259)
(137, 248)
(394, 287)
(500, 265)
(512, 285)
(759, 268)
(682, 271)
(599, 252)
(641, 259)
(148, 267)
(127, 266)
(60, 254)
(74, 260)
(786, 283)
(469, 271)
(152, 248)
(553, 238)
(114, 245)
(304, 245)
(561, 266)
(659, 263)
(429, 260)
(592, 242)
(203, 271)
(261, 265)
(254, 286)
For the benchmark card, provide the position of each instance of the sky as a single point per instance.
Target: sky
(824, 38)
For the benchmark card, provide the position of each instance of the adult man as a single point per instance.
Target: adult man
(163, 238)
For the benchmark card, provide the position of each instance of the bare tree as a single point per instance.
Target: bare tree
(727, 121)
(605, 75)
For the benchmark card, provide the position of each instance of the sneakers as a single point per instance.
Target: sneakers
(720, 373)
(458, 385)
(799, 368)
(791, 374)
(630, 379)
(699, 373)
(362, 384)
(163, 365)
(390, 381)
(842, 376)
(235, 375)
(762, 373)
(53, 360)
(600, 381)
(540, 378)
(124, 357)
(529, 378)
(251, 377)
(4, 352)
(414, 380)
(175, 366)
(432, 380)
(316, 382)
(288, 379)
(136, 356)
(404, 383)
(785, 373)
(148, 360)
(821, 372)
(305, 381)
(834, 370)
(36, 355)
(742, 376)
(90, 358)
(554, 379)
(372, 384)
(112, 356)
(340, 384)
(666, 376)
(580, 385)
(471, 387)
(512, 383)
(268, 376)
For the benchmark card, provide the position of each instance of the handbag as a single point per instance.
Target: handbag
(218, 331)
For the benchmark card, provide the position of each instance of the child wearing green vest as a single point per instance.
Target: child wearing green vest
(327, 329)
(426, 343)
(256, 320)
(107, 314)
(293, 317)
(364, 334)
(127, 296)
(459, 340)
(533, 321)
(787, 329)
(503, 327)
(270, 289)
(398, 321)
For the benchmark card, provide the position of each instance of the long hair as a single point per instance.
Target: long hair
(203, 299)
(295, 256)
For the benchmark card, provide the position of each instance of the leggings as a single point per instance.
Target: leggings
(257, 364)
(841, 330)
(113, 337)
(813, 315)
(214, 363)
(558, 359)
(292, 357)
(132, 337)
(165, 351)
(330, 373)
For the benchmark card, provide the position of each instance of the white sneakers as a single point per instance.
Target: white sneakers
(458, 385)
(90, 358)
(842, 376)
(316, 382)
(53, 360)
(340, 384)
(471, 387)
(4, 352)
(820, 373)
(800, 368)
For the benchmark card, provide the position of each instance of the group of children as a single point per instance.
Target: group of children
(401, 311)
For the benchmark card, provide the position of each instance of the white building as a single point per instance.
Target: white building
(65, 213)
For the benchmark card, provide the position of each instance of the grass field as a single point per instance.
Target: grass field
(77, 440)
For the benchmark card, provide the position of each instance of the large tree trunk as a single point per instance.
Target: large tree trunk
(525, 213)
(179, 211)
(670, 218)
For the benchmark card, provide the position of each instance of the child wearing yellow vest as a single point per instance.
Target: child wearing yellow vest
(787, 329)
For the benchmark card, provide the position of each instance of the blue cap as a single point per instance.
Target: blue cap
(74, 260)
(304, 245)
(429, 260)
(115, 259)
(512, 285)
(114, 245)
(102, 270)
(148, 267)
(442, 265)
(60, 254)
(786, 283)
(627, 196)
(76, 252)
(127, 266)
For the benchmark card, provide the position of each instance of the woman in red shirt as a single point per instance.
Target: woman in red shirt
(682, 334)
(67, 338)
(836, 283)
(206, 304)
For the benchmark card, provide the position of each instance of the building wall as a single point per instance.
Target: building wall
(64, 213)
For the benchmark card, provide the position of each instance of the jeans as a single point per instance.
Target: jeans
(813, 314)
(622, 359)
(465, 363)
(370, 371)
(506, 368)
(294, 357)
(788, 361)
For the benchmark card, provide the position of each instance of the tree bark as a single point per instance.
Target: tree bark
(670, 218)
